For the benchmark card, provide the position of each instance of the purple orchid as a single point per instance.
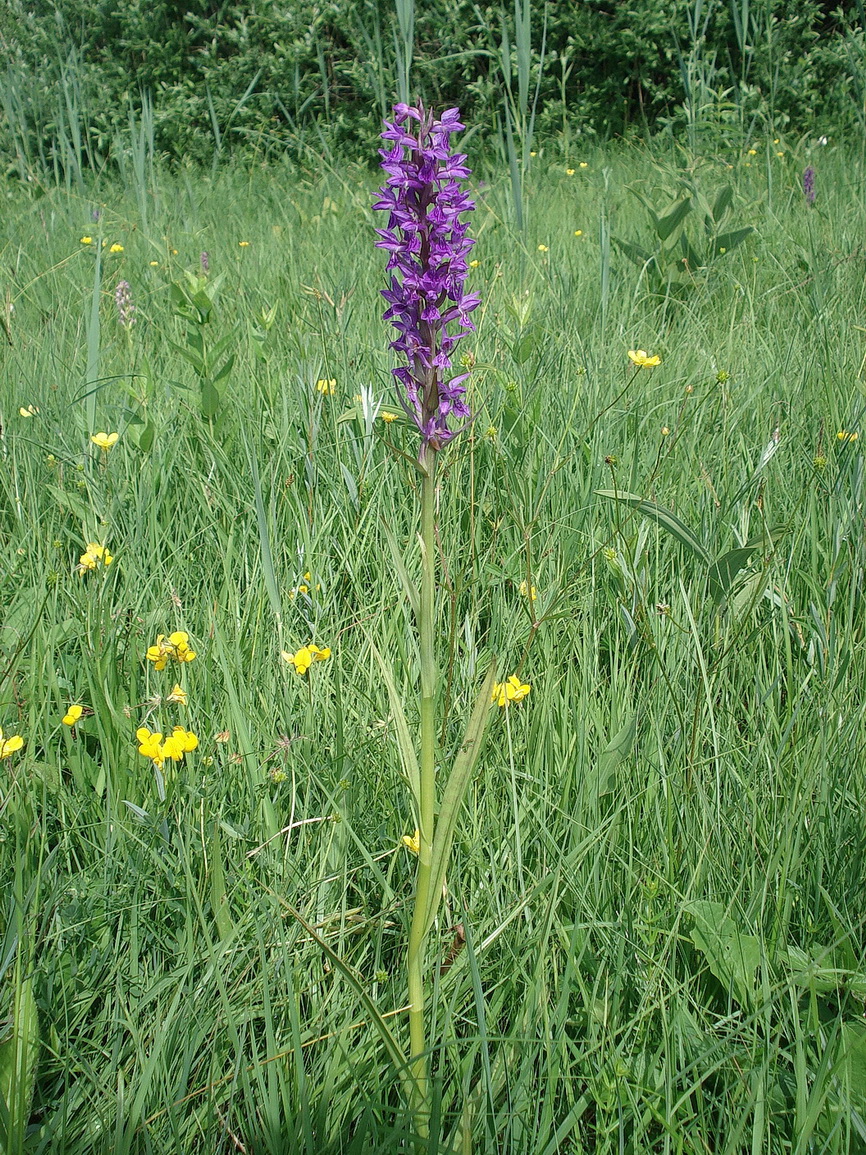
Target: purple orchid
(427, 246)
(809, 185)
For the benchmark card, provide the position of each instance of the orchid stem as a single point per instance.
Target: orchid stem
(417, 935)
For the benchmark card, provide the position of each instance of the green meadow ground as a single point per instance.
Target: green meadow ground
(659, 869)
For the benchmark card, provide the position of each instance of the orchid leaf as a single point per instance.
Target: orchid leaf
(452, 800)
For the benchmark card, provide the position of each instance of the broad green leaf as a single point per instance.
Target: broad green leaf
(851, 1065)
(226, 369)
(671, 221)
(729, 241)
(19, 1055)
(603, 774)
(723, 571)
(145, 438)
(663, 517)
(405, 744)
(523, 349)
(210, 399)
(634, 253)
(723, 202)
(455, 789)
(732, 956)
(693, 257)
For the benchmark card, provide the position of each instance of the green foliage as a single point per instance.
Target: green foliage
(674, 256)
(650, 935)
(315, 77)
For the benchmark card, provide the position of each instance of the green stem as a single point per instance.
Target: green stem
(415, 960)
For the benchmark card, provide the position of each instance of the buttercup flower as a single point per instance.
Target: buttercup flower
(511, 690)
(413, 841)
(30, 411)
(94, 556)
(116, 248)
(543, 249)
(72, 715)
(174, 648)
(388, 417)
(327, 386)
(9, 745)
(569, 172)
(642, 359)
(305, 657)
(243, 244)
(428, 247)
(845, 435)
(87, 240)
(104, 441)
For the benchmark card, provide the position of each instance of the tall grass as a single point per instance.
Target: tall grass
(653, 933)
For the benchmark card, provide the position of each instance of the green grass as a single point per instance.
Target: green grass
(659, 869)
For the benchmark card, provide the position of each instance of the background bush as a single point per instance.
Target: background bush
(265, 74)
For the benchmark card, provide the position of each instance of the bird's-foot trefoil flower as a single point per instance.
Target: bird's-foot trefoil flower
(174, 648)
(305, 657)
(95, 557)
(511, 690)
(72, 715)
(428, 247)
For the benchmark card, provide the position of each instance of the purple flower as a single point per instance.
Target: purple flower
(205, 262)
(125, 307)
(427, 249)
(809, 185)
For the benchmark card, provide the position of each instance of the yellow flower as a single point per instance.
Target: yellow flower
(116, 248)
(413, 841)
(753, 152)
(569, 172)
(584, 164)
(30, 411)
(72, 715)
(844, 435)
(149, 745)
(641, 358)
(474, 264)
(105, 441)
(665, 431)
(511, 690)
(388, 417)
(178, 695)
(530, 593)
(305, 657)
(327, 386)
(94, 555)
(87, 240)
(578, 232)
(154, 264)
(244, 244)
(174, 648)
(10, 745)
(543, 249)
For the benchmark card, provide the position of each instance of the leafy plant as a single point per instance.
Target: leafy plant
(193, 300)
(674, 256)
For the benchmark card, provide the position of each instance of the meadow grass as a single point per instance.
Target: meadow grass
(653, 937)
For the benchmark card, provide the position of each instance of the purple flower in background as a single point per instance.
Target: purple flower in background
(205, 262)
(125, 307)
(428, 247)
(809, 185)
